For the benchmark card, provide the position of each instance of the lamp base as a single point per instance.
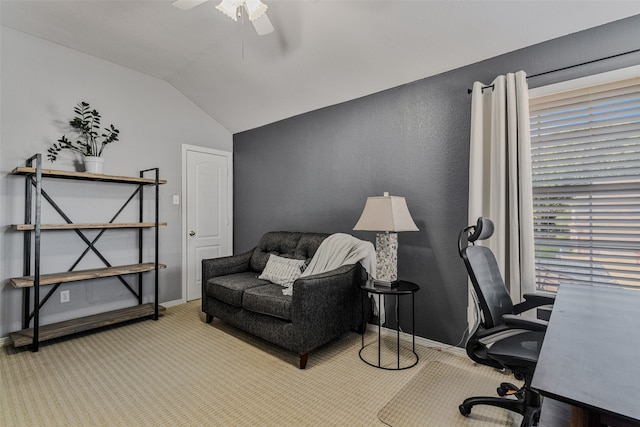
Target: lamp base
(387, 257)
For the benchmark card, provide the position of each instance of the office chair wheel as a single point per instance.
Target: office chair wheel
(464, 410)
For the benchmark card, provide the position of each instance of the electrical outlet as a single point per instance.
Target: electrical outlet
(64, 296)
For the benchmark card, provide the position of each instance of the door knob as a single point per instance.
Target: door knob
(192, 233)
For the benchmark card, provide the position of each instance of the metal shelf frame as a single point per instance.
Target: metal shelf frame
(34, 193)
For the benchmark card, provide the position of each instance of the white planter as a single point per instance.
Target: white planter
(93, 164)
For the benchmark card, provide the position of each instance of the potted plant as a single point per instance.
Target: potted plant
(89, 143)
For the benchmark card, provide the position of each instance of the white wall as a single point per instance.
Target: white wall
(41, 82)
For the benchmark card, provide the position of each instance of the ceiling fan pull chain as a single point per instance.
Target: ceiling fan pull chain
(242, 19)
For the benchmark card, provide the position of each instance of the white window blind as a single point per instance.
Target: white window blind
(585, 151)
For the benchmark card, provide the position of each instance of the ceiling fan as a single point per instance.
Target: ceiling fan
(256, 11)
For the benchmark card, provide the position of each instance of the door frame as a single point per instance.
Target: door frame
(184, 241)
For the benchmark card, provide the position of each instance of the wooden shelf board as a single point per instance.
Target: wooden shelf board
(69, 327)
(94, 273)
(52, 173)
(27, 227)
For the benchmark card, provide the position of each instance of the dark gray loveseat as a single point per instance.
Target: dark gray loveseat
(322, 307)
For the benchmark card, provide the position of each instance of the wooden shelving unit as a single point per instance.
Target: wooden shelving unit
(31, 227)
(30, 283)
(85, 176)
(75, 276)
(74, 326)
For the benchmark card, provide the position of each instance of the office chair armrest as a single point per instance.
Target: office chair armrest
(518, 322)
(537, 299)
(487, 337)
(543, 298)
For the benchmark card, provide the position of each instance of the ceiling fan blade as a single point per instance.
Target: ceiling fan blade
(263, 25)
(187, 4)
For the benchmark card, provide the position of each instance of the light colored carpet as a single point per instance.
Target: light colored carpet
(182, 371)
(430, 396)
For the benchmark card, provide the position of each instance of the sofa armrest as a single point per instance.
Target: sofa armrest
(233, 264)
(324, 303)
(338, 274)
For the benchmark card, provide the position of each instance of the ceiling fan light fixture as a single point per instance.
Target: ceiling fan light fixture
(255, 9)
(230, 8)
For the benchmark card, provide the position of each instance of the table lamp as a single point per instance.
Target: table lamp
(388, 214)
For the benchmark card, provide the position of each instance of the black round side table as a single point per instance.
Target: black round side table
(398, 289)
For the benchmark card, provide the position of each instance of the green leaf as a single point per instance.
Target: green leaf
(88, 140)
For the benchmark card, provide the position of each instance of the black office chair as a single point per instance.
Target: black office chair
(502, 339)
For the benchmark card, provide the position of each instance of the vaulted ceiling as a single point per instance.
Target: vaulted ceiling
(321, 52)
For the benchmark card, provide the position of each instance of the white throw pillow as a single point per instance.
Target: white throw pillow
(282, 271)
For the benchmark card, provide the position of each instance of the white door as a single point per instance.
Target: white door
(207, 210)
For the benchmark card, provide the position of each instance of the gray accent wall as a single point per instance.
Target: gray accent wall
(313, 172)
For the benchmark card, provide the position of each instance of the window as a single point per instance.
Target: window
(585, 151)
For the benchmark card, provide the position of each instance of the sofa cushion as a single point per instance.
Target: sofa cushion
(281, 243)
(230, 288)
(308, 245)
(268, 299)
(282, 271)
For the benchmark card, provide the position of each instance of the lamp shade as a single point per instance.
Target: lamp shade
(386, 213)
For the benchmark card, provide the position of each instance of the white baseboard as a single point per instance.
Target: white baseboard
(425, 342)
(172, 303)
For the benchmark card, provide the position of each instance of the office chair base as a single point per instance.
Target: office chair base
(531, 413)
(508, 389)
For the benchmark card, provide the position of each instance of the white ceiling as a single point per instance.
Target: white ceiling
(321, 53)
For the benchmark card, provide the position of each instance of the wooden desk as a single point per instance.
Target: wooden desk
(590, 357)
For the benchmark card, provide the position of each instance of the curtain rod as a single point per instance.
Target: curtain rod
(469, 91)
